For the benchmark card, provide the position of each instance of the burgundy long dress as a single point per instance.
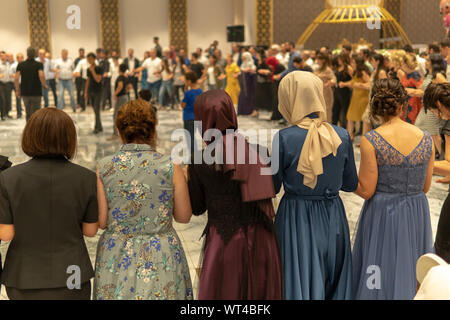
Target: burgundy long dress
(241, 259)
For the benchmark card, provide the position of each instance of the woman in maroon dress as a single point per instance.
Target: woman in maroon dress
(241, 260)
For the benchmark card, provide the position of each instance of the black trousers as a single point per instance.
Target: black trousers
(342, 98)
(442, 244)
(10, 88)
(80, 85)
(134, 82)
(95, 98)
(52, 86)
(3, 99)
(106, 92)
(50, 294)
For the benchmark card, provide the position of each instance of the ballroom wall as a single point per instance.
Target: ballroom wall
(141, 20)
(207, 21)
(13, 25)
(88, 36)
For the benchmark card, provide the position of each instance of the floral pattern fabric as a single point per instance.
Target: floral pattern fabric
(140, 256)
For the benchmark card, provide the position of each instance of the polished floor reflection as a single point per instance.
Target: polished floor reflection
(94, 147)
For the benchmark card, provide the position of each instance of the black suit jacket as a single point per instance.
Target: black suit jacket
(4, 164)
(137, 63)
(47, 199)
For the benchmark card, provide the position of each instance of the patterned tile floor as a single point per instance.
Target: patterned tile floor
(92, 148)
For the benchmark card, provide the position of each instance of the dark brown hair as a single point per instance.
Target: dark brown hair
(437, 92)
(387, 96)
(326, 61)
(136, 122)
(49, 131)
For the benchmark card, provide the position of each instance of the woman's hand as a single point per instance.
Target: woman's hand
(445, 180)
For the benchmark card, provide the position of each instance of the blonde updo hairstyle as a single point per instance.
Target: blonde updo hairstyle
(410, 61)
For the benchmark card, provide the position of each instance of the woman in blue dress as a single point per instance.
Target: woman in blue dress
(394, 228)
(315, 160)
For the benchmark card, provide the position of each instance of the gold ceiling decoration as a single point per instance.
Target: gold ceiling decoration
(368, 12)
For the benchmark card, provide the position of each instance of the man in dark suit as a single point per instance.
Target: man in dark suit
(132, 63)
(103, 63)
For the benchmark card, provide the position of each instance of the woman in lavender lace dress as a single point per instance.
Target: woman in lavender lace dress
(394, 228)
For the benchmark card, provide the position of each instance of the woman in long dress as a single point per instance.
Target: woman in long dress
(395, 174)
(241, 260)
(360, 95)
(248, 81)
(326, 74)
(411, 79)
(140, 192)
(342, 95)
(232, 72)
(315, 161)
(263, 93)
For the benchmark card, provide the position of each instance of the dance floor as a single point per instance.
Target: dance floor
(94, 147)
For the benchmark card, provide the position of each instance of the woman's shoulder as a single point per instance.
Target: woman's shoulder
(300, 133)
(343, 133)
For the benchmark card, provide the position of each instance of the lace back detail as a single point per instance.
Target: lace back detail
(387, 155)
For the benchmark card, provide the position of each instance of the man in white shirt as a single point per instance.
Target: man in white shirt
(64, 69)
(283, 56)
(51, 76)
(12, 71)
(132, 63)
(154, 69)
(202, 58)
(42, 59)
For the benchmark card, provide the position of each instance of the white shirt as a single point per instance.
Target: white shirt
(283, 59)
(13, 70)
(82, 68)
(152, 66)
(4, 71)
(422, 66)
(113, 73)
(211, 76)
(203, 60)
(111, 61)
(50, 73)
(65, 68)
(131, 65)
(46, 65)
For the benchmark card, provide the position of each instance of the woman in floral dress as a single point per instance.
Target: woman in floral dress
(140, 256)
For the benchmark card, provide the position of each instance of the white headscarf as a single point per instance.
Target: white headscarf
(301, 94)
(247, 61)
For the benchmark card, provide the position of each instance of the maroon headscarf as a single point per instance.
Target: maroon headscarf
(215, 110)
(273, 63)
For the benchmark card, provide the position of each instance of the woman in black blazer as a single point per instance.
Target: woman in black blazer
(46, 206)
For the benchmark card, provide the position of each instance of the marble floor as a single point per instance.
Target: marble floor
(94, 147)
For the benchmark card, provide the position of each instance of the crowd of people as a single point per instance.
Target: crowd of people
(400, 101)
